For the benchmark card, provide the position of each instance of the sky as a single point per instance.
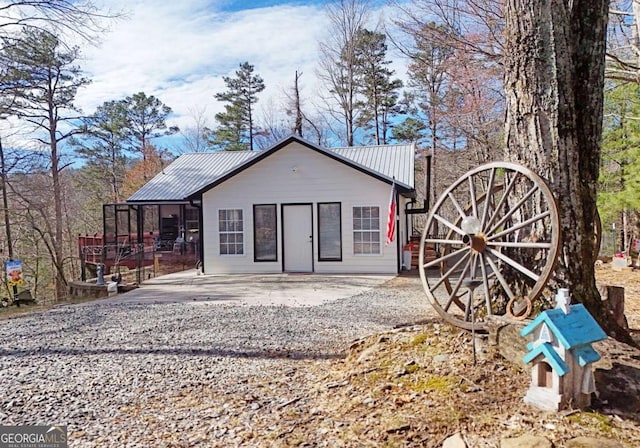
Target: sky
(179, 51)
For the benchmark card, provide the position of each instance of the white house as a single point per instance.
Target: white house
(295, 207)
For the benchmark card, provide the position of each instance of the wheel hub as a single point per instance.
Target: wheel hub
(478, 242)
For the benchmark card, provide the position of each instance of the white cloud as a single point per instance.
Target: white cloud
(179, 51)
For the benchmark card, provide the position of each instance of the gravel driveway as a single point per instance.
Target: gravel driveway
(193, 373)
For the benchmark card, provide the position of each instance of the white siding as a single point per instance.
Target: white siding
(293, 175)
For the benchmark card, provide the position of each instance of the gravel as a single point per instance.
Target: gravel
(180, 374)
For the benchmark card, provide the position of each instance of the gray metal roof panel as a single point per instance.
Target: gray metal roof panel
(391, 161)
(190, 172)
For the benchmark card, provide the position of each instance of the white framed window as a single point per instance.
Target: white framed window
(366, 230)
(231, 231)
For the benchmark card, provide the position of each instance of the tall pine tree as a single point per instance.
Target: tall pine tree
(379, 90)
(237, 128)
(147, 117)
(104, 146)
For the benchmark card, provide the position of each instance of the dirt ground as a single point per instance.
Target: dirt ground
(417, 386)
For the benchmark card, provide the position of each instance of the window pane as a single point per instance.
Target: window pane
(329, 229)
(375, 223)
(231, 234)
(265, 234)
(366, 230)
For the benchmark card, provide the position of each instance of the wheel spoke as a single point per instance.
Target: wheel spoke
(503, 282)
(503, 199)
(454, 292)
(485, 281)
(488, 196)
(519, 244)
(444, 257)
(513, 209)
(514, 264)
(442, 241)
(446, 275)
(520, 225)
(457, 205)
(472, 195)
(448, 224)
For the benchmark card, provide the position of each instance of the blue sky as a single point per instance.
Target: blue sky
(179, 51)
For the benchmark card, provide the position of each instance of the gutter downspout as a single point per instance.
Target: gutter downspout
(427, 202)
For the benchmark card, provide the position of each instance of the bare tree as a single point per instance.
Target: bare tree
(296, 103)
(273, 125)
(59, 17)
(455, 50)
(338, 62)
(194, 138)
(478, 24)
(303, 122)
(623, 41)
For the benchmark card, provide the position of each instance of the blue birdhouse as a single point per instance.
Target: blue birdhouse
(562, 356)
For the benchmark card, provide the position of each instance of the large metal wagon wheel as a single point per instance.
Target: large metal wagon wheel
(495, 234)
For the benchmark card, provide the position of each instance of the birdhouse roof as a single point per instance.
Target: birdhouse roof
(573, 329)
(552, 357)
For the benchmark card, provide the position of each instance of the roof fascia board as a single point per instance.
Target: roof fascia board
(294, 138)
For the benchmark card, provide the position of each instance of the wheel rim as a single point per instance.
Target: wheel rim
(507, 256)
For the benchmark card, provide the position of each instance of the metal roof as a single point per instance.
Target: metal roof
(392, 161)
(194, 172)
(188, 173)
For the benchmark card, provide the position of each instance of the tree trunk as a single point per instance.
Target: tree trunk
(554, 83)
(250, 122)
(5, 203)
(297, 128)
(61, 281)
(58, 259)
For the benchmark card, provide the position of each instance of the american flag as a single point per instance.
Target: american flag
(391, 218)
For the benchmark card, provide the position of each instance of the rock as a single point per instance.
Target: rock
(589, 442)
(366, 354)
(441, 358)
(526, 441)
(401, 372)
(504, 337)
(455, 441)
